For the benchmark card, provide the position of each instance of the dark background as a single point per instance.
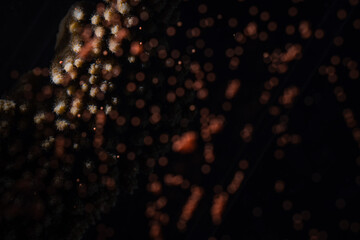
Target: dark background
(321, 174)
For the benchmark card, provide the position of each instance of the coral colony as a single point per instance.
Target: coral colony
(118, 101)
(68, 145)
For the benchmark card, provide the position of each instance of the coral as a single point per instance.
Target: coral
(71, 145)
